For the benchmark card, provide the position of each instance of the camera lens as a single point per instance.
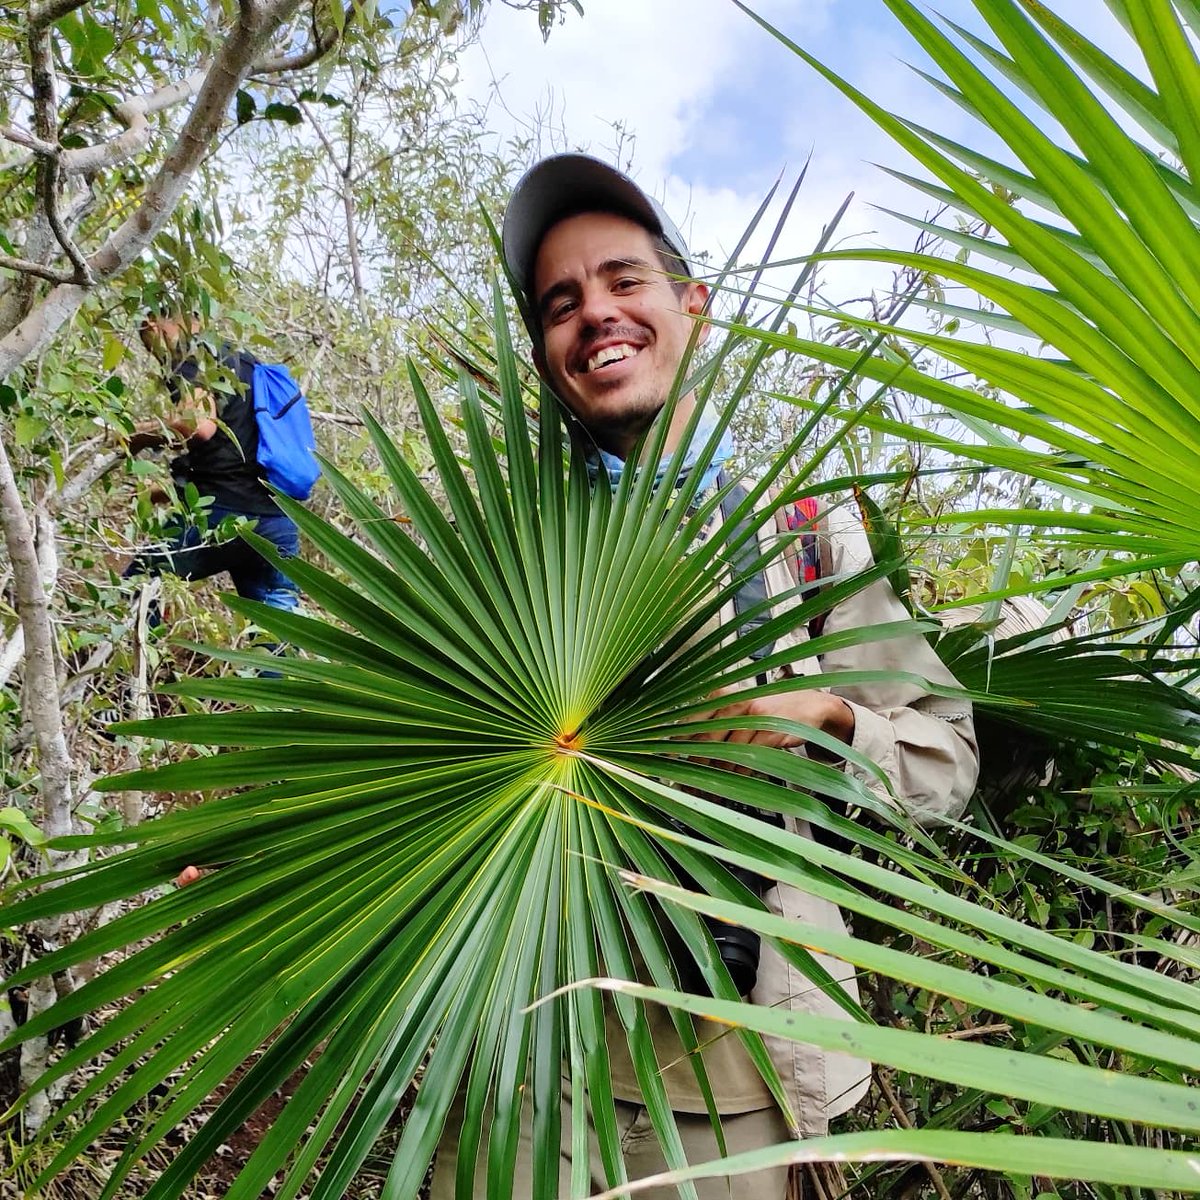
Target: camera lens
(739, 949)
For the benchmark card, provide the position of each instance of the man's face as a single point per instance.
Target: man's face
(614, 325)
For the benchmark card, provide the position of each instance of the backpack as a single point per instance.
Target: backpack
(285, 437)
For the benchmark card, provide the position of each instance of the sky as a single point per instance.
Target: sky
(707, 109)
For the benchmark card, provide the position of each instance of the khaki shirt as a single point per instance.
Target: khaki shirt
(926, 746)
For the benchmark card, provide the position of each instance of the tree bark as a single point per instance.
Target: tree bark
(32, 551)
(234, 61)
(39, 689)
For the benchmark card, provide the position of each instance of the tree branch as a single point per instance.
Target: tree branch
(336, 419)
(323, 138)
(74, 688)
(45, 118)
(82, 274)
(133, 115)
(42, 16)
(329, 38)
(82, 483)
(10, 133)
(239, 52)
(26, 267)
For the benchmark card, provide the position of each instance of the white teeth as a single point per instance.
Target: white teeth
(610, 354)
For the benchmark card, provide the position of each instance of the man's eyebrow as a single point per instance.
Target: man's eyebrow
(621, 264)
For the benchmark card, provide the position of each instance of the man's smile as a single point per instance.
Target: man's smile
(608, 355)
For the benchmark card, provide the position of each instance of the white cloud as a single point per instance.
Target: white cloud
(655, 71)
(697, 84)
(647, 66)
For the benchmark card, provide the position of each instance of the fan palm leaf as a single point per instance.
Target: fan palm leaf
(1107, 272)
(418, 825)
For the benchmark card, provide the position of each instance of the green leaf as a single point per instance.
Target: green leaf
(1026, 1076)
(16, 822)
(91, 43)
(28, 428)
(245, 106)
(1111, 268)
(114, 353)
(1059, 1158)
(289, 114)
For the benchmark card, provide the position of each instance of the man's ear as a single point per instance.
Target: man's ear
(539, 361)
(696, 300)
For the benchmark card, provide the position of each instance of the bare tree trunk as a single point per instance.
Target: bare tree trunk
(32, 551)
(39, 688)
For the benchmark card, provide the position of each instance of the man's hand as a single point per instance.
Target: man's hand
(191, 425)
(148, 435)
(822, 710)
(188, 875)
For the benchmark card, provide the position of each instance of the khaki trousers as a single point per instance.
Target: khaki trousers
(643, 1157)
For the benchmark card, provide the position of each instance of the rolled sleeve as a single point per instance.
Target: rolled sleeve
(930, 757)
(925, 743)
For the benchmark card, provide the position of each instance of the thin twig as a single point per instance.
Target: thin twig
(45, 116)
(337, 419)
(25, 266)
(962, 1035)
(935, 1176)
(74, 688)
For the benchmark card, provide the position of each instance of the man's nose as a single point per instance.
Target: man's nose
(598, 307)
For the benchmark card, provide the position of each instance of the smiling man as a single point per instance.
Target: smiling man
(611, 331)
(613, 307)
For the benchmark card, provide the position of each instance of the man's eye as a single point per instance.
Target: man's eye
(563, 309)
(625, 285)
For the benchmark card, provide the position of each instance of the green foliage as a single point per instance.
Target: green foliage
(1118, 408)
(422, 823)
(474, 744)
(449, 779)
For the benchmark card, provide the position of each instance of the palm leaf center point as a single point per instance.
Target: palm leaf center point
(569, 741)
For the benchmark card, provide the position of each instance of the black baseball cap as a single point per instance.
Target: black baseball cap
(566, 184)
